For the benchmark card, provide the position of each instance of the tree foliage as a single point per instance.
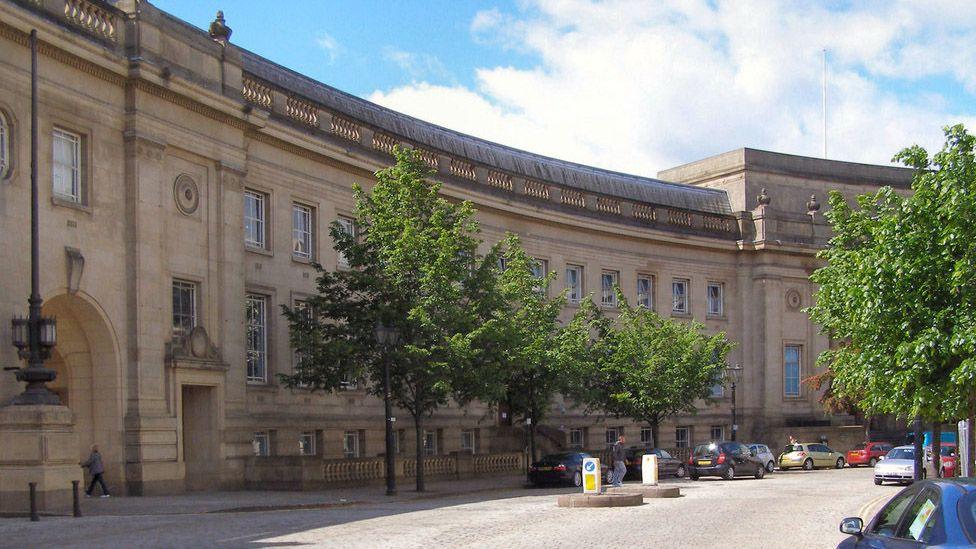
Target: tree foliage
(899, 288)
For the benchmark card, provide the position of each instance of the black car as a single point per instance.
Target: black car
(724, 459)
(930, 513)
(561, 468)
(666, 464)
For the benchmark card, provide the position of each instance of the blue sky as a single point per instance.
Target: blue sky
(636, 85)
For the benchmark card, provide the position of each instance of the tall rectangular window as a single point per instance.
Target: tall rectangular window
(4, 145)
(574, 283)
(717, 432)
(255, 225)
(540, 267)
(717, 390)
(350, 444)
(184, 307)
(682, 437)
(502, 264)
(791, 370)
(430, 443)
(647, 436)
(608, 281)
(467, 441)
(301, 231)
(257, 338)
(612, 434)
(306, 444)
(348, 226)
(679, 296)
(645, 291)
(261, 443)
(66, 168)
(576, 438)
(716, 305)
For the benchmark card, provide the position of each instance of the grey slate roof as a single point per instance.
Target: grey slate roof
(487, 153)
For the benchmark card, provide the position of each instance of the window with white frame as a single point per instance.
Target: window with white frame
(647, 436)
(574, 283)
(682, 437)
(430, 443)
(716, 298)
(576, 438)
(184, 307)
(348, 226)
(791, 370)
(608, 283)
(66, 166)
(540, 267)
(5, 148)
(679, 296)
(398, 441)
(302, 241)
(645, 291)
(717, 390)
(261, 444)
(612, 434)
(256, 306)
(306, 443)
(350, 444)
(717, 432)
(255, 219)
(467, 441)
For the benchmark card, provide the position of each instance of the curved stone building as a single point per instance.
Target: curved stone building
(187, 185)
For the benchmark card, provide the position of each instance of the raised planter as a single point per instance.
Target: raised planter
(600, 500)
(648, 492)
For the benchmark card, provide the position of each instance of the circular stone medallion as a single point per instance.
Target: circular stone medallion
(186, 194)
(793, 299)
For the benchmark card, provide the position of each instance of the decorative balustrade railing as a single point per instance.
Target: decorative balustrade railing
(435, 465)
(572, 198)
(497, 463)
(645, 213)
(428, 157)
(302, 111)
(464, 170)
(500, 180)
(537, 189)
(384, 143)
(350, 470)
(678, 217)
(714, 223)
(257, 93)
(92, 18)
(345, 128)
(608, 205)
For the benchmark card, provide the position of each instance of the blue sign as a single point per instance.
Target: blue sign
(590, 466)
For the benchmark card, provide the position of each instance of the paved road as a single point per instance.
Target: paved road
(787, 509)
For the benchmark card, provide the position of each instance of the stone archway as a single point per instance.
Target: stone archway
(89, 380)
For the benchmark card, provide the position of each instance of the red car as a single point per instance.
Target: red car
(867, 453)
(948, 450)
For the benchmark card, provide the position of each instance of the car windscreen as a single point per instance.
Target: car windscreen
(901, 453)
(792, 448)
(706, 450)
(860, 446)
(947, 451)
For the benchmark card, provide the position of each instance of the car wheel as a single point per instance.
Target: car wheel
(770, 467)
(878, 481)
(577, 479)
(808, 465)
(693, 477)
(873, 461)
(680, 473)
(840, 463)
(729, 473)
(760, 472)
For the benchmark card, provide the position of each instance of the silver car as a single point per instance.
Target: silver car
(898, 465)
(764, 455)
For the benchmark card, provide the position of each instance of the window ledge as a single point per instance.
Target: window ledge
(262, 386)
(66, 203)
(302, 260)
(259, 251)
(720, 317)
(680, 314)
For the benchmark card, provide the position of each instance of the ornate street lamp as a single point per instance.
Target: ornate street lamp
(733, 375)
(387, 338)
(35, 335)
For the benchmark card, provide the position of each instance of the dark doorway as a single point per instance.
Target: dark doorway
(199, 442)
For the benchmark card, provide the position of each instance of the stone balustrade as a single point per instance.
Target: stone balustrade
(257, 93)
(384, 143)
(608, 205)
(92, 18)
(302, 111)
(345, 128)
(464, 170)
(573, 198)
(500, 180)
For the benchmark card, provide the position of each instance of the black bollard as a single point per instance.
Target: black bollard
(76, 502)
(33, 502)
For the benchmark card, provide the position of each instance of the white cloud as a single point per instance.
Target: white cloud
(639, 86)
(418, 65)
(331, 47)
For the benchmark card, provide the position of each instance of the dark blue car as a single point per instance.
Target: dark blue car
(931, 513)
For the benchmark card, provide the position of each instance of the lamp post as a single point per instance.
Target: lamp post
(35, 335)
(733, 373)
(387, 337)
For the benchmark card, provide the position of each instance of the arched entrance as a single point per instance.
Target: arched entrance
(88, 381)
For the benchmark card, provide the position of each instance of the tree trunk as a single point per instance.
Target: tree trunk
(532, 441)
(655, 429)
(935, 466)
(867, 428)
(418, 423)
(919, 450)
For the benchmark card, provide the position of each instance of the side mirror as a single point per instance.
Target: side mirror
(852, 525)
(881, 458)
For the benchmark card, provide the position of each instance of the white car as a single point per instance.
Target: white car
(898, 465)
(763, 453)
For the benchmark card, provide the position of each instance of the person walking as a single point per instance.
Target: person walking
(619, 454)
(97, 469)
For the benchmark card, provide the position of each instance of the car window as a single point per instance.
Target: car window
(664, 455)
(921, 516)
(815, 447)
(792, 448)
(765, 449)
(887, 520)
(901, 453)
(967, 515)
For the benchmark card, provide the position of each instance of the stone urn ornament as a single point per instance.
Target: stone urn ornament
(219, 31)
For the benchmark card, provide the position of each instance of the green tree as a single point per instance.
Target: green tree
(413, 267)
(522, 338)
(899, 287)
(643, 366)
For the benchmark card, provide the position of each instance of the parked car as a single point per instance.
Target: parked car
(765, 455)
(809, 455)
(667, 465)
(867, 453)
(724, 459)
(949, 459)
(897, 466)
(560, 468)
(934, 513)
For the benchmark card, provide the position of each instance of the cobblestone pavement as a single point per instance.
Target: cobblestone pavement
(786, 509)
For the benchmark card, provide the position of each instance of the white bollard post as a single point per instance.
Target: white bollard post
(592, 476)
(649, 470)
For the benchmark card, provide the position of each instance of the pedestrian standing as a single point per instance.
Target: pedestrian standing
(619, 454)
(97, 469)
